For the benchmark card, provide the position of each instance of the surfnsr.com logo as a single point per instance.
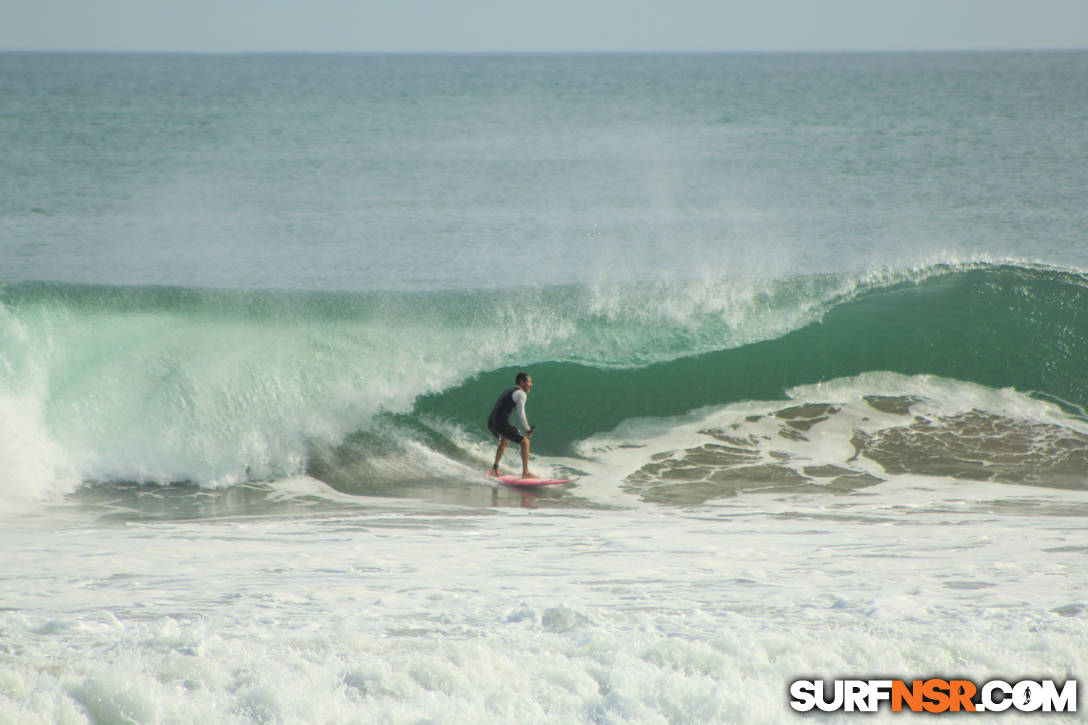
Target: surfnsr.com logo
(934, 695)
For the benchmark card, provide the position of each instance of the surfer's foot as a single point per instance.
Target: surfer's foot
(526, 474)
(495, 472)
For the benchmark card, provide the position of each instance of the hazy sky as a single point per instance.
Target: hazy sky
(540, 25)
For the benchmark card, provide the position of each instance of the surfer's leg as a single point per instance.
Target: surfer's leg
(525, 459)
(498, 456)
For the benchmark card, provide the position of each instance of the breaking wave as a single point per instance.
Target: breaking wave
(213, 387)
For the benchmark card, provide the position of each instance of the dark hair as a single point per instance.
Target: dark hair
(522, 377)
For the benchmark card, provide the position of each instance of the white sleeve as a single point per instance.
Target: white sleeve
(519, 400)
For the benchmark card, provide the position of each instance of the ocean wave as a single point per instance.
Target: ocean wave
(219, 387)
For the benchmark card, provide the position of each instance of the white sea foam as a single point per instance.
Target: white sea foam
(822, 431)
(623, 616)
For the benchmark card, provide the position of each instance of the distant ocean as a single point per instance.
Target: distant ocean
(810, 331)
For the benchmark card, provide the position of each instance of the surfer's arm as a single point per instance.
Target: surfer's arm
(519, 401)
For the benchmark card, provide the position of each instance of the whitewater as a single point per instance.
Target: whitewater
(808, 331)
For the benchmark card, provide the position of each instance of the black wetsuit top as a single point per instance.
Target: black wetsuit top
(504, 406)
(499, 420)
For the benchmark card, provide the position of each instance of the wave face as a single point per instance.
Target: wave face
(211, 387)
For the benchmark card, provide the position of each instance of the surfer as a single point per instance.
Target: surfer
(499, 423)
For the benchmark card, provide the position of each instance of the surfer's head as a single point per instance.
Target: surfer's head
(524, 381)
